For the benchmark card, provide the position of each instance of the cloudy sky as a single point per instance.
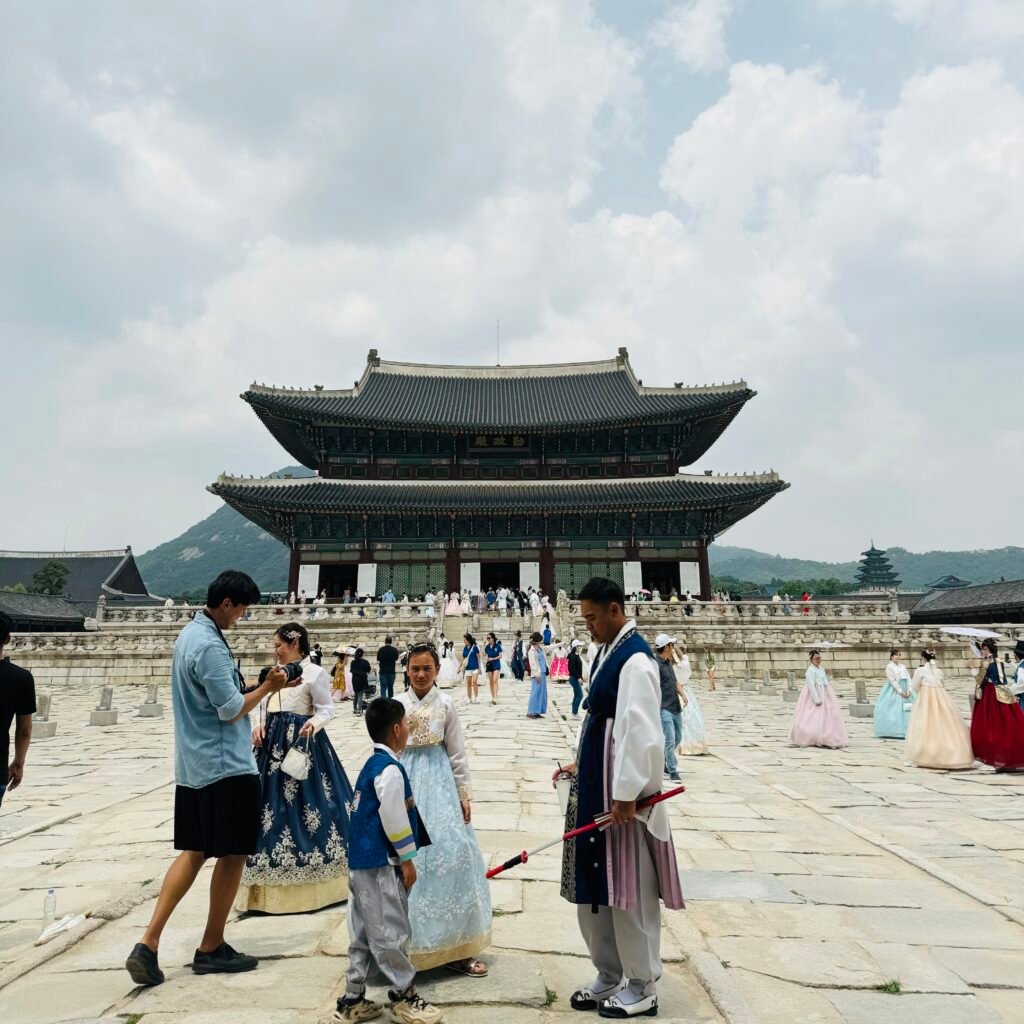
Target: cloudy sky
(822, 197)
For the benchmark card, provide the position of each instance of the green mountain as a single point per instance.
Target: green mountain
(227, 540)
(224, 540)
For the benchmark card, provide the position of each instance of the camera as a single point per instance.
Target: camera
(292, 671)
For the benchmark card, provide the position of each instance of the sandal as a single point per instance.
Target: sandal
(470, 967)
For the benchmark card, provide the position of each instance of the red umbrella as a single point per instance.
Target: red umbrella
(601, 822)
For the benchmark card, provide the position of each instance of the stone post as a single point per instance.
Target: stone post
(151, 708)
(104, 713)
(791, 694)
(861, 708)
(42, 727)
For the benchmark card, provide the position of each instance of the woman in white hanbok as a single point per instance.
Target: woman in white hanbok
(694, 733)
(448, 675)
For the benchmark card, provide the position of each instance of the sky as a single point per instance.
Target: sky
(824, 198)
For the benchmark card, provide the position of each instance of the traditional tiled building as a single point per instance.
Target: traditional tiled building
(455, 477)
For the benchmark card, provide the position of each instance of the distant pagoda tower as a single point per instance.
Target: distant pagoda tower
(875, 571)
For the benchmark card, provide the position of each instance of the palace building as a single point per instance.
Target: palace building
(458, 477)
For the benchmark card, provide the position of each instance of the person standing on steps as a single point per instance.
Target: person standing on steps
(618, 878)
(217, 799)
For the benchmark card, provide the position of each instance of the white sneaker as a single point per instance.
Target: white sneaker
(614, 1006)
(590, 998)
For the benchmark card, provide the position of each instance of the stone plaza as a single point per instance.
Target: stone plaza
(822, 886)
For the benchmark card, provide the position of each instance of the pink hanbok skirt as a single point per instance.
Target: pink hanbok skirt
(818, 725)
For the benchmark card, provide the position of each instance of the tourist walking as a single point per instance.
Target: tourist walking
(518, 663)
(391, 834)
(217, 794)
(818, 719)
(695, 739)
(492, 652)
(538, 661)
(617, 877)
(360, 680)
(671, 705)
(895, 700)
(387, 663)
(17, 706)
(301, 858)
(937, 737)
(709, 667)
(997, 721)
(449, 674)
(470, 664)
(450, 908)
(575, 663)
(339, 690)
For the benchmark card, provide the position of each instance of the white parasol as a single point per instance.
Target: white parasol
(970, 631)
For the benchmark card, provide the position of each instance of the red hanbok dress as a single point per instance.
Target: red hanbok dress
(997, 726)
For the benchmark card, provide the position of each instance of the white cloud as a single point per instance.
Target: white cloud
(694, 32)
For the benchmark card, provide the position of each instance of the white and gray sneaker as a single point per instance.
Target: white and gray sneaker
(590, 997)
(616, 1006)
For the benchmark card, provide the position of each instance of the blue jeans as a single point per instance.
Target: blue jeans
(387, 684)
(577, 694)
(672, 727)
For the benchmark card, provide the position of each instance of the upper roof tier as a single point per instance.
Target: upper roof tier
(461, 399)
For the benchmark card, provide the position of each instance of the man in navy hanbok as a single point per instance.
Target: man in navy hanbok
(619, 878)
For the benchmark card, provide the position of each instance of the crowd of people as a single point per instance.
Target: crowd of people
(261, 790)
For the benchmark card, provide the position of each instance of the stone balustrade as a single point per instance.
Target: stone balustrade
(178, 615)
(882, 610)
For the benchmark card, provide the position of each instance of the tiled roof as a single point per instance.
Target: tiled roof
(38, 607)
(315, 495)
(463, 399)
(978, 598)
(90, 573)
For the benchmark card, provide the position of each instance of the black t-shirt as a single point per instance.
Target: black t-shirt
(575, 665)
(17, 697)
(387, 656)
(360, 674)
(669, 694)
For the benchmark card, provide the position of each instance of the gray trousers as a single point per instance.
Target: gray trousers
(626, 944)
(378, 929)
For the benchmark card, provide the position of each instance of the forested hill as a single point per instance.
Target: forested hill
(228, 540)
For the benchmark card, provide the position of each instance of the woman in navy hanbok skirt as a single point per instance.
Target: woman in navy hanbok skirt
(301, 860)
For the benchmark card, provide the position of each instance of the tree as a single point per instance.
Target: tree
(819, 588)
(50, 579)
(18, 588)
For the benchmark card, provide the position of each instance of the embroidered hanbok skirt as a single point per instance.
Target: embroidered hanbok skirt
(301, 859)
(695, 739)
(538, 697)
(891, 719)
(997, 731)
(818, 725)
(450, 904)
(937, 737)
(560, 668)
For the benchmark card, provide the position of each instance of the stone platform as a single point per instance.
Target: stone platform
(815, 880)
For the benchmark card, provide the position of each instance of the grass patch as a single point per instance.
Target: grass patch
(892, 987)
(550, 996)
(496, 912)
(131, 1018)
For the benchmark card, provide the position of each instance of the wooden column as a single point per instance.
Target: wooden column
(451, 570)
(293, 571)
(547, 571)
(705, 571)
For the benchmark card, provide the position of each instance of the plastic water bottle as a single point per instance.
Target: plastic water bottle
(49, 908)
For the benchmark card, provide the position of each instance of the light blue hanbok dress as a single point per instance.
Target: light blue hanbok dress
(538, 691)
(450, 904)
(892, 710)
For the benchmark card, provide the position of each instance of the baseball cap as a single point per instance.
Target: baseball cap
(576, 643)
(663, 640)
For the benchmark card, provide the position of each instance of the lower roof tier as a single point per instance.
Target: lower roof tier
(712, 503)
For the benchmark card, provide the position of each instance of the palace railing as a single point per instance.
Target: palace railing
(739, 612)
(323, 615)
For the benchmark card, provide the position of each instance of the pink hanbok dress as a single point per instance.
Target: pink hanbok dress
(818, 719)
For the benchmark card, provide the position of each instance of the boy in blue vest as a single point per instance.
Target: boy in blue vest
(385, 832)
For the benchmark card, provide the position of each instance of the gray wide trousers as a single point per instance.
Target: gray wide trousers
(378, 929)
(626, 944)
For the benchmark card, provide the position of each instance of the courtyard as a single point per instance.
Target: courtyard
(822, 886)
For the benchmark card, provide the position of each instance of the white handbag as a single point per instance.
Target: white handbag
(296, 762)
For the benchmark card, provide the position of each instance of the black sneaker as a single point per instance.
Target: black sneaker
(223, 960)
(675, 777)
(143, 967)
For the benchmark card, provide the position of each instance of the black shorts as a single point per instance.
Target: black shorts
(494, 666)
(219, 820)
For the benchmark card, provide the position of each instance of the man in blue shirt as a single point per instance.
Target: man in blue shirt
(217, 799)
